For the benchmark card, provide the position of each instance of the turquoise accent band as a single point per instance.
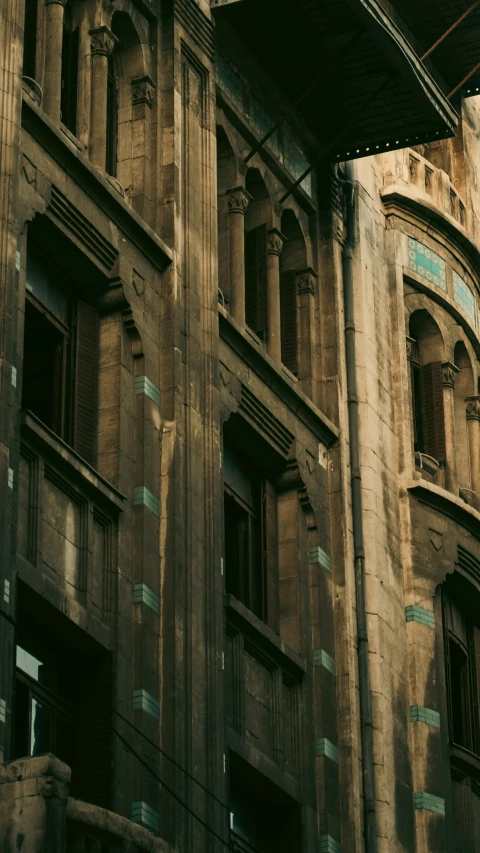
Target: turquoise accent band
(322, 658)
(325, 747)
(429, 802)
(143, 385)
(143, 701)
(318, 555)
(419, 714)
(414, 613)
(143, 497)
(142, 594)
(142, 813)
(327, 844)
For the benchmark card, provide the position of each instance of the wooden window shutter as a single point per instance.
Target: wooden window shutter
(92, 780)
(433, 417)
(270, 554)
(86, 376)
(256, 304)
(288, 316)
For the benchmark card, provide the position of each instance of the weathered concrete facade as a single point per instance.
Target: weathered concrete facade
(240, 433)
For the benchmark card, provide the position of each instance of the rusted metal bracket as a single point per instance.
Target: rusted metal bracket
(462, 82)
(450, 30)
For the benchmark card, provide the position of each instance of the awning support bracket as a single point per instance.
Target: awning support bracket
(450, 30)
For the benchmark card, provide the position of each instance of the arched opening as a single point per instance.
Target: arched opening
(226, 180)
(258, 220)
(69, 81)
(463, 388)
(125, 64)
(427, 356)
(293, 258)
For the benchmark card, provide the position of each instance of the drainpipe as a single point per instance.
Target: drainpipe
(366, 731)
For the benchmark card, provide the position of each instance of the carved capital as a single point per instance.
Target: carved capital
(238, 200)
(413, 168)
(55, 3)
(275, 241)
(448, 374)
(473, 408)
(306, 280)
(143, 90)
(103, 41)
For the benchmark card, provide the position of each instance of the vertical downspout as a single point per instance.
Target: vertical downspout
(366, 731)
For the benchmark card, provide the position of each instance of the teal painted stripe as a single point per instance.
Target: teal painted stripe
(143, 813)
(419, 714)
(429, 802)
(143, 497)
(142, 594)
(328, 844)
(143, 701)
(325, 747)
(322, 658)
(143, 385)
(318, 555)
(414, 613)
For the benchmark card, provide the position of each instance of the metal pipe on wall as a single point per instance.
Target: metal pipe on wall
(370, 820)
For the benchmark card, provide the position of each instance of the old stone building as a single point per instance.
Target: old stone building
(240, 426)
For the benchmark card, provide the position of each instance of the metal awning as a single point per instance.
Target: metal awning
(373, 93)
(455, 25)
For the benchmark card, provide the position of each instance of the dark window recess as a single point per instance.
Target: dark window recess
(429, 396)
(417, 409)
(60, 358)
(256, 306)
(251, 549)
(462, 662)
(62, 705)
(112, 120)
(30, 39)
(69, 81)
(288, 317)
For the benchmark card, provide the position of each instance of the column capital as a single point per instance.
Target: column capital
(275, 241)
(448, 374)
(238, 200)
(473, 408)
(56, 3)
(103, 41)
(143, 90)
(306, 280)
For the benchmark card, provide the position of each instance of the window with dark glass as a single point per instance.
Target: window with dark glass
(30, 40)
(427, 407)
(250, 517)
(256, 301)
(68, 98)
(462, 652)
(112, 120)
(60, 356)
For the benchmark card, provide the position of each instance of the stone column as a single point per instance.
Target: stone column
(103, 42)
(306, 280)
(448, 371)
(473, 426)
(54, 10)
(238, 199)
(275, 243)
(143, 96)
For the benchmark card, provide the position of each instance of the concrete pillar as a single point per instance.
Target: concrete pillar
(448, 371)
(473, 426)
(238, 199)
(275, 243)
(54, 10)
(306, 280)
(103, 42)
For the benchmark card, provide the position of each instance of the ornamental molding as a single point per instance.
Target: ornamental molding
(143, 90)
(448, 374)
(473, 408)
(275, 241)
(103, 41)
(306, 280)
(238, 200)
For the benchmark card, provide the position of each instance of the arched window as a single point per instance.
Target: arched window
(68, 97)
(427, 386)
(112, 119)
(257, 223)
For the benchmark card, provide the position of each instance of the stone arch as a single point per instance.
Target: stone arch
(424, 329)
(260, 208)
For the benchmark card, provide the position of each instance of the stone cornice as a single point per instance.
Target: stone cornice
(312, 418)
(447, 504)
(398, 199)
(94, 184)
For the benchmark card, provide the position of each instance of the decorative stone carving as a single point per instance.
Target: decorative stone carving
(143, 90)
(413, 169)
(306, 280)
(453, 202)
(448, 374)
(103, 41)
(275, 241)
(473, 408)
(428, 179)
(238, 200)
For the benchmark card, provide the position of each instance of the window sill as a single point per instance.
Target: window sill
(279, 379)
(33, 428)
(271, 642)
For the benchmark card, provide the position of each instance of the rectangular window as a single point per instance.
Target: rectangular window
(60, 357)
(251, 538)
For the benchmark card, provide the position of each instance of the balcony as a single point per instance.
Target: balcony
(35, 806)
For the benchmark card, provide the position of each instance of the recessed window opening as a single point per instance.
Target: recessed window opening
(112, 119)
(69, 81)
(30, 40)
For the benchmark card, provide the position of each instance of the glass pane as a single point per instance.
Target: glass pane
(40, 283)
(29, 664)
(40, 730)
